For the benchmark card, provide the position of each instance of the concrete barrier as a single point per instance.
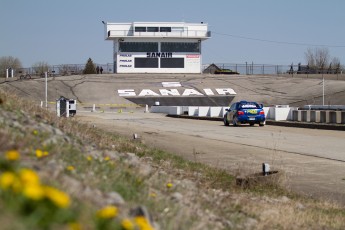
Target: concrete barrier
(304, 115)
(281, 113)
(175, 110)
(267, 112)
(335, 117)
(216, 111)
(295, 115)
(343, 117)
(159, 109)
(193, 111)
(203, 111)
(324, 116)
(315, 116)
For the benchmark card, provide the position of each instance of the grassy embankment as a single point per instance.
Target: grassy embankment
(86, 166)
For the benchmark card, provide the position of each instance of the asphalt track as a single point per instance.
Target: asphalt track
(313, 160)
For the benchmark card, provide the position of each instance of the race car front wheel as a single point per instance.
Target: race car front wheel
(226, 123)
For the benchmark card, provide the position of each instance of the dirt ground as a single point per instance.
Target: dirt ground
(313, 160)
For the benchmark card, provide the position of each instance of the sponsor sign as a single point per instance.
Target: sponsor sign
(159, 55)
(193, 56)
(125, 61)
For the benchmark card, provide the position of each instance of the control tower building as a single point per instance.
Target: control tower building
(157, 47)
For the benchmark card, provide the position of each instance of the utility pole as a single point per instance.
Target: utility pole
(46, 78)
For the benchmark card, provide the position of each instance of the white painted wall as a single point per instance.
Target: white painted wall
(203, 111)
(216, 111)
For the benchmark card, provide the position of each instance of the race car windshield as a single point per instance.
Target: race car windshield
(249, 106)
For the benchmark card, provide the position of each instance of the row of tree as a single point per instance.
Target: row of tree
(39, 67)
(320, 59)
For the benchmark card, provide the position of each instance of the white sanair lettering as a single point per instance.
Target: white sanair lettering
(167, 92)
(208, 92)
(175, 92)
(226, 91)
(147, 92)
(188, 92)
(126, 92)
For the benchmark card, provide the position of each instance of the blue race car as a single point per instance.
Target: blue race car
(245, 112)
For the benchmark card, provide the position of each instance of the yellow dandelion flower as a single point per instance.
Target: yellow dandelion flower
(89, 158)
(107, 158)
(74, 226)
(107, 212)
(169, 185)
(12, 155)
(29, 177)
(70, 168)
(7, 179)
(35, 132)
(153, 194)
(34, 192)
(58, 197)
(39, 153)
(143, 223)
(127, 224)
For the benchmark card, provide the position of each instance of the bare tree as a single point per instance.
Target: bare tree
(9, 62)
(336, 65)
(310, 58)
(317, 58)
(40, 67)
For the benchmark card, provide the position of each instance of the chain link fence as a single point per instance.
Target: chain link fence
(267, 69)
(243, 69)
(58, 70)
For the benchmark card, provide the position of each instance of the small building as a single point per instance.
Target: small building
(212, 69)
(157, 47)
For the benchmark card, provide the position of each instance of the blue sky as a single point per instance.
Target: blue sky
(70, 31)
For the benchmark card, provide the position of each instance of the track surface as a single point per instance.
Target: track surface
(314, 160)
